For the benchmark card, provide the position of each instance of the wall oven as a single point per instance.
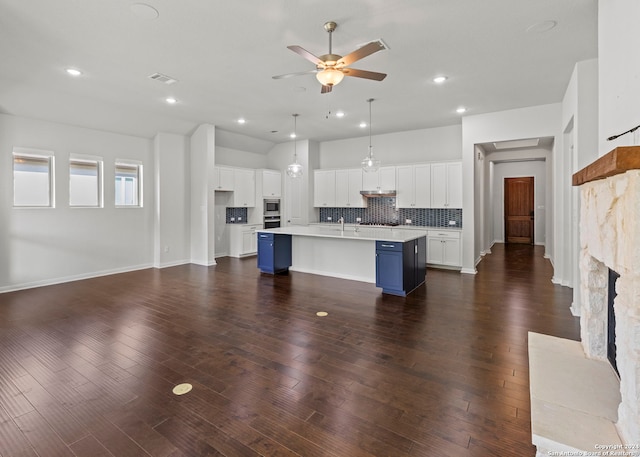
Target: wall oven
(271, 213)
(271, 222)
(272, 207)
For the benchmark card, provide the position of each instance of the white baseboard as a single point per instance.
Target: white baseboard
(175, 263)
(469, 271)
(64, 279)
(209, 263)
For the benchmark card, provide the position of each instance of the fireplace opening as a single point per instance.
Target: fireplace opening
(611, 321)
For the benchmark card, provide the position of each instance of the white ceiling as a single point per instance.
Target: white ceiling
(224, 54)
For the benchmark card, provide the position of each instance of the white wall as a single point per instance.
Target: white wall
(503, 170)
(202, 195)
(48, 245)
(578, 149)
(414, 146)
(237, 158)
(619, 72)
(172, 212)
(619, 92)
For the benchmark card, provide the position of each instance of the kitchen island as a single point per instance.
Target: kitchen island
(392, 259)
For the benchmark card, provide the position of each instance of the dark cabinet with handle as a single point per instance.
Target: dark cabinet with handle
(274, 252)
(400, 267)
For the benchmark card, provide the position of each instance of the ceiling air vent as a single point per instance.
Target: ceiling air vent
(163, 78)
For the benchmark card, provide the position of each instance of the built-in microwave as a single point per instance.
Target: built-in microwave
(271, 206)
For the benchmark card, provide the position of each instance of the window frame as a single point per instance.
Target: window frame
(44, 156)
(99, 162)
(129, 164)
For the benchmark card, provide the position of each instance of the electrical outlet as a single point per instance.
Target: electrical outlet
(452, 222)
(233, 219)
(239, 218)
(328, 218)
(358, 219)
(407, 221)
(166, 249)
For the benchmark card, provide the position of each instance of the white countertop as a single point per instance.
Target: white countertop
(363, 233)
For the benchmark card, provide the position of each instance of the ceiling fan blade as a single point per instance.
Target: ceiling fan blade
(306, 54)
(300, 73)
(361, 53)
(364, 74)
(326, 89)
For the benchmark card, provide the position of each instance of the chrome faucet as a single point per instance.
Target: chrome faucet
(341, 220)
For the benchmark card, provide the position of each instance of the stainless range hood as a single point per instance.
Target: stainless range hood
(378, 193)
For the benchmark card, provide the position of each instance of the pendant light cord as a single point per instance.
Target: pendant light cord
(370, 148)
(295, 137)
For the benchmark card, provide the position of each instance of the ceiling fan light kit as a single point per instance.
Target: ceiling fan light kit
(332, 68)
(329, 77)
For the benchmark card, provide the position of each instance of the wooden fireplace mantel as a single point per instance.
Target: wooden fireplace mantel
(619, 160)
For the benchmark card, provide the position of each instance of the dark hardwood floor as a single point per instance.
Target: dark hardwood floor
(87, 368)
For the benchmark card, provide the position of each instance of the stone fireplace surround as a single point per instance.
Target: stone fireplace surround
(610, 238)
(584, 390)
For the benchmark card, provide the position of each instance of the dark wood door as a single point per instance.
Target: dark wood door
(518, 210)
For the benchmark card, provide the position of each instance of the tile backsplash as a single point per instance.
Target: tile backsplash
(236, 215)
(383, 210)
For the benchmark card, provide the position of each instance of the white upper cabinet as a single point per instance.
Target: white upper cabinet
(324, 188)
(413, 186)
(271, 183)
(348, 186)
(446, 185)
(383, 179)
(223, 178)
(244, 194)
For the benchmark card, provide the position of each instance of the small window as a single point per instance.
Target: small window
(32, 178)
(128, 184)
(85, 182)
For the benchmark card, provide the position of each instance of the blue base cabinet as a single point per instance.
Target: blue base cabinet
(274, 252)
(401, 267)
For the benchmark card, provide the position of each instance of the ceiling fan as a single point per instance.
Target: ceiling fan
(331, 68)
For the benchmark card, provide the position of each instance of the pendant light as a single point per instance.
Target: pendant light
(369, 163)
(294, 169)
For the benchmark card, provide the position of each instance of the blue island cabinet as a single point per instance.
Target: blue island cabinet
(274, 252)
(401, 267)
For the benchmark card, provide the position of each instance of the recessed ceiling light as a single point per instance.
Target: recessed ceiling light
(241, 120)
(144, 11)
(73, 72)
(439, 79)
(340, 114)
(363, 125)
(293, 135)
(461, 110)
(171, 100)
